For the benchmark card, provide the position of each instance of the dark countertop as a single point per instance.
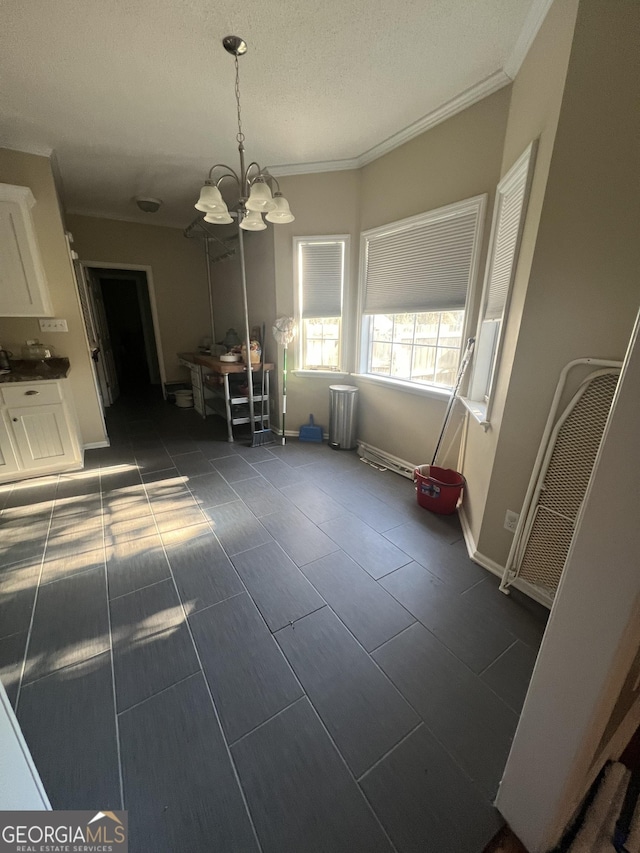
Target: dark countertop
(26, 370)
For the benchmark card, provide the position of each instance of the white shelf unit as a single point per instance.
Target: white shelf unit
(223, 399)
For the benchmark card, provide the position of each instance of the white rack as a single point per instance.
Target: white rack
(224, 398)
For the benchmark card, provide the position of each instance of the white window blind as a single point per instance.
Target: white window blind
(422, 264)
(502, 257)
(320, 271)
(503, 250)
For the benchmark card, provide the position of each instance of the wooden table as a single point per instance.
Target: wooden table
(224, 400)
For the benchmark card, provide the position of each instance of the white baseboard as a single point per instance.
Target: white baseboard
(472, 549)
(387, 460)
(96, 445)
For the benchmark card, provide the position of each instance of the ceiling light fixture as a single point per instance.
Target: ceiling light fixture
(149, 205)
(253, 182)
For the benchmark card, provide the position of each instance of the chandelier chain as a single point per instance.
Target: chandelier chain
(240, 134)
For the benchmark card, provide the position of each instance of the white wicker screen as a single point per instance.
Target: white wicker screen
(545, 535)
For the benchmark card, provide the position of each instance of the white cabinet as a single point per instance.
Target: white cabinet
(38, 433)
(8, 460)
(42, 436)
(23, 287)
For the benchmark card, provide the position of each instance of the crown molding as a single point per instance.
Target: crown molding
(38, 150)
(58, 180)
(289, 169)
(97, 214)
(465, 99)
(535, 17)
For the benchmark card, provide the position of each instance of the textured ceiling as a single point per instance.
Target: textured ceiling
(136, 96)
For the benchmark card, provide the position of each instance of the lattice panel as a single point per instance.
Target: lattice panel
(546, 550)
(576, 447)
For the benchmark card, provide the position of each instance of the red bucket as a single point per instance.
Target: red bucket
(438, 489)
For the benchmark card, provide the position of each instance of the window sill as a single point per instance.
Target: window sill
(429, 391)
(477, 410)
(321, 374)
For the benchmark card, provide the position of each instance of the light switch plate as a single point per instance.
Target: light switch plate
(53, 324)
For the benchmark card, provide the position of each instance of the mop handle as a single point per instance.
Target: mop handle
(463, 367)
(284, 391)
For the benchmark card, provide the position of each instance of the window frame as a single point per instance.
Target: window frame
(477, 204)
(486, 364)
(300, 367)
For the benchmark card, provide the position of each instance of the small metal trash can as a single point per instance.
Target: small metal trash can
(343, 416)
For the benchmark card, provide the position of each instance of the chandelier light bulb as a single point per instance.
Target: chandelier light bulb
(218, 218)
(210, 199)
(253, 222)
(260, 197)
(282, 213)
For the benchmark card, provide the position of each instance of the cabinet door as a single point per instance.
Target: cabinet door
(42, 435)
(23, 287)
(8, 460)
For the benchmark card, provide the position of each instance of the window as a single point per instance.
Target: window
(421, 348)
(415, 281)
(506, 232)
(320, 266)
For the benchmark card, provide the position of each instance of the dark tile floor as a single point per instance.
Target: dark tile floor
(257, 649)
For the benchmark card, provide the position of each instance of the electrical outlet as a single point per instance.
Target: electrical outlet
(53, 325)
(511, 520)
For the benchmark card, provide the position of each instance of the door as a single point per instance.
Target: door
(111, 388)
(42, 435)
(90, 325)
(20, 785)
(125, 296)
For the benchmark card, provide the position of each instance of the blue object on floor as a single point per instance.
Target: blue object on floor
(310, 431)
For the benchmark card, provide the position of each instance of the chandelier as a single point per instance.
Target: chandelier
(253, 182)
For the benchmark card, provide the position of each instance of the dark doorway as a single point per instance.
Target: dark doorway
(125, 295)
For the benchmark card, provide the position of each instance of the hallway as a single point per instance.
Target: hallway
(254, 649)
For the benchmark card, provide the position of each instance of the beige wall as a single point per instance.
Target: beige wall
(533, 113)
(227, 294)
(261, 288)
(455, 160)
(458, 159)
(261, 298)
(323, 204)
(35, 172)
(179, 276)
(584, 291)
